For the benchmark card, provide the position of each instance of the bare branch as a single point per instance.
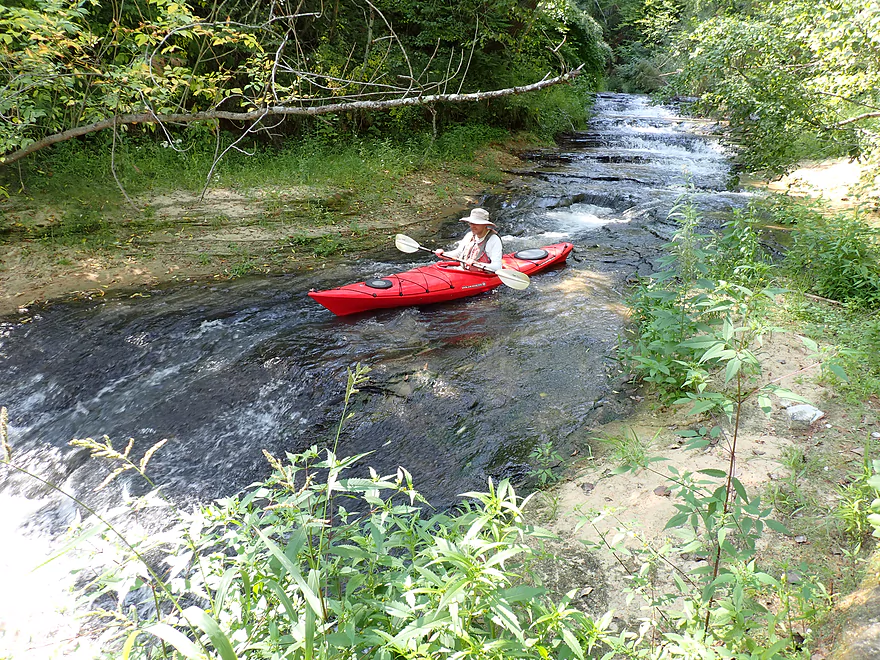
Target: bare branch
(113, 171)
(282, 110)
(217, 159)
(853, 120)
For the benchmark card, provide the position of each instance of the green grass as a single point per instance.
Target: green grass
(77, 174)
(241, 268)
(79, 227)
(855, 335)
(628, 448)
(319, 246)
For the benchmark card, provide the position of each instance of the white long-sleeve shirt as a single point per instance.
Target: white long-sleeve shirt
(468, 248)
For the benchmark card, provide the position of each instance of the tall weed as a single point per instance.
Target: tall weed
(737, 255)
(320, 562)
(689, 298)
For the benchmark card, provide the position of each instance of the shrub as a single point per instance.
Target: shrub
(837, 258)
(316, 563)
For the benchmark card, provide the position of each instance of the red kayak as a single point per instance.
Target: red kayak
(439, 282)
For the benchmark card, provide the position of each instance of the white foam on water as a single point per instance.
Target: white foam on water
(38, 618)
(31, 400)
(213, 364)
(516, 243)
(580, 217)
(158, 377)
(690, 152)
(206, 327)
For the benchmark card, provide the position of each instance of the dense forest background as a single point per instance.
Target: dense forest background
(794, 79)
(71, 68)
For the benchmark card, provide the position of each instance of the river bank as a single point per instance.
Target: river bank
(172, 236)
(805, 472)
(811, 473)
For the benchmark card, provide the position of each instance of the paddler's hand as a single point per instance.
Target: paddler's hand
(438, 252)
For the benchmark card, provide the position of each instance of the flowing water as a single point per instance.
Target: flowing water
(458, 392)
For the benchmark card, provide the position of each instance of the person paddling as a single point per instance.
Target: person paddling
(480, 245)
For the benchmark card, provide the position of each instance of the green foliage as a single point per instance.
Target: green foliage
(389, 583)
(350, 175)
(318, 246)
(546, 458)
(789, 493)
(793, 79)
(314, 563)
(859, 333)
(727, 601)
(689, 321)
(784, 210)
(856, 495)
(81, 226)
(241, 268)
(460, 142)
(874, 484)
(701, 335)
(837, 257)
(71, 65)
(639, 33)
(628, 449)
(321, 562)
(738, 255)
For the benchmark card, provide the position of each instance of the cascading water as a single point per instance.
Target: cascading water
(458, 393)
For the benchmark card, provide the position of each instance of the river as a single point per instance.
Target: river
(458, 392)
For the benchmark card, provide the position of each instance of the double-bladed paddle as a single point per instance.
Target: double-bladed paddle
(512, 278)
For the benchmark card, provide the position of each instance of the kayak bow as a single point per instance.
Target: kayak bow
(434, 283)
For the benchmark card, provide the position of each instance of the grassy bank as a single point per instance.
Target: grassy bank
(721, 519)
(89, 217)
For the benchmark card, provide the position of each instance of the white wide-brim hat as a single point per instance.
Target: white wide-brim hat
(479, 217)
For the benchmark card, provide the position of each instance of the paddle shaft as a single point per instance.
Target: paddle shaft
(476, 264)
(512, 278)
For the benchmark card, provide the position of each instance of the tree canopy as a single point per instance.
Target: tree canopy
(75, 66)
(793, 79)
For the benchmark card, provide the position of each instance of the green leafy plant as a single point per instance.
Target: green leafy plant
(241, 268)
(728, 601)
(698, 339)
(545, 458)
(854, 507)
(778, 74)
(323, 560)
(838, 258)
(686, 322)
(318, 246)
(737, 255)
